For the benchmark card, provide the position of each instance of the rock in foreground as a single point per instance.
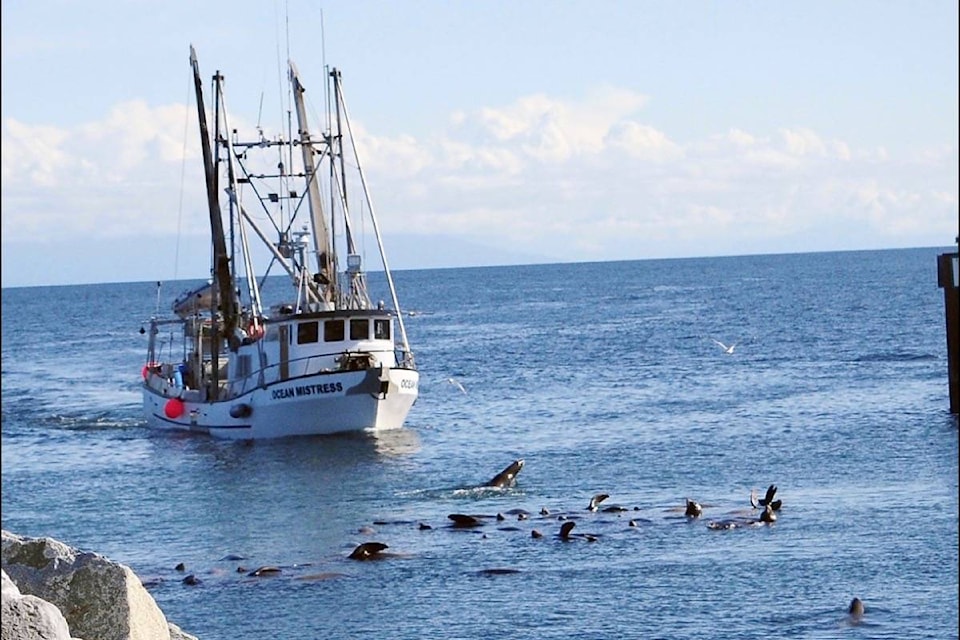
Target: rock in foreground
(98, 599)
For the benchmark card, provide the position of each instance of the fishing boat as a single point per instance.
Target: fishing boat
(320, 357)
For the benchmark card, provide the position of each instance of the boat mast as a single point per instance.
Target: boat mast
(253, 289)
(223, 293)
(326, 270)
(335, 76)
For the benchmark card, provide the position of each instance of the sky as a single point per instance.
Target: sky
(492, 131)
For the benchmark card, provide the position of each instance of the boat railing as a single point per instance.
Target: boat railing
(305, 366)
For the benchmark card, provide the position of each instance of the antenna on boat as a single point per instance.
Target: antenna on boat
(326, 85)
(158, 296)
(323, 42)
(260, 116)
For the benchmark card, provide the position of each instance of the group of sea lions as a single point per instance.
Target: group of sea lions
(768, 506)
(507, 478)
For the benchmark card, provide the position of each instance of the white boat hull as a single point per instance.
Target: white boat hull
(320, 404)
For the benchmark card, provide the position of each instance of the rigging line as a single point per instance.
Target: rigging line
(183, 172)
(373, 221)
(286, 20)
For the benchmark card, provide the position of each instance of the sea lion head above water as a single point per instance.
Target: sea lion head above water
(693, 510)
(768, 515)
(508, 476)
(856, 608)
(367, 551)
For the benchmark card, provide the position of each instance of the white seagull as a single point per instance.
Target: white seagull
(455, 383)
(725, 348)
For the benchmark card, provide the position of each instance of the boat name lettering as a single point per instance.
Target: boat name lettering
(306, 390)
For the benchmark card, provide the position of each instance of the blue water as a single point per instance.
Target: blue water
(605, 378)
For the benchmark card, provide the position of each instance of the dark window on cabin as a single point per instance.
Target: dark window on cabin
(307, 332)
(381, 329)
(333, 331)
(243, 368)
(359, 329)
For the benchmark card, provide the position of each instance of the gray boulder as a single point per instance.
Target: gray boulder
(99, 599)
(29, 617)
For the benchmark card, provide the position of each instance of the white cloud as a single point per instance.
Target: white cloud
(804, 142)
(116, 177)
(643, 142)
(579, 179)
(32, 155)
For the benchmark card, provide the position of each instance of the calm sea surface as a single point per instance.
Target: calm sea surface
(603, 377)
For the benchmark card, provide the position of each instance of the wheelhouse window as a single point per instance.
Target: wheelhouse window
(359, 329)
(307, 332)
(333, 331)
(243, 367)
(381, 329)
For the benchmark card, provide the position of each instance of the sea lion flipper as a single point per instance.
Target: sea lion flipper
(596, 500)
(771, 491)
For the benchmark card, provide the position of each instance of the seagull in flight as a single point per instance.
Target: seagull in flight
(457, 384)
(725, 348)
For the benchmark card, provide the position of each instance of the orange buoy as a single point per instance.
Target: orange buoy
(173, 408)
(255, 331)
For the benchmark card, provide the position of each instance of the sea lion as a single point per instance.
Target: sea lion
(508, 476)
(614, 508)
(768, 516)
(856, 608)
(367, 551)
(596, 500)
(497, 572)
(766, 500)
(464, 521)
(693, 509)
(567, 527)
(264, 571)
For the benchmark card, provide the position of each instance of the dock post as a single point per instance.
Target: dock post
(948, 278)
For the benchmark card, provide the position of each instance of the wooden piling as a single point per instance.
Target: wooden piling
(948, 278)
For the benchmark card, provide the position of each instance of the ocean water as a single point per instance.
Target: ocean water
(603, 377)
